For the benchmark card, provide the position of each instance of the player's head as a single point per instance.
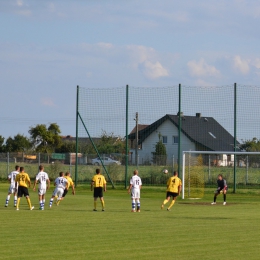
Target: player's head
(220, 177)
(17, 167)
(135, 172)
(175, 173)
(21, 169)
(61, 174)
(97, 171)
(41, 167)
(67, 174)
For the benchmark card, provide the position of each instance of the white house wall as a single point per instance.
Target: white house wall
(165, 129)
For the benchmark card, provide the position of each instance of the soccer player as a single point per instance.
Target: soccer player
(222, 188)
(135, 187)
(22, 182)
(60, 185)
(70, 183)
(12, 189)
(99, 182)
(174, 186)
(44, 183)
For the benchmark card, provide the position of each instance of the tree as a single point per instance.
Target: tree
(19, 143)
(250, 146)
(46, 139)
(2, 147)
(160, 155)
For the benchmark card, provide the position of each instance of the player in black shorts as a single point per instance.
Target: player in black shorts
(222, 188)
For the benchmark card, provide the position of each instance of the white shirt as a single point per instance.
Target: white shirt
(136, 182)
(12, 176)
(42, 178)
(61, 182)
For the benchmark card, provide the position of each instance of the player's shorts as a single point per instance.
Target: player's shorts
(11, 189)
(171, 194)
(58, 192)
(22, 191)
(221, 190)
(64, 193)
(98, 192)
(41, 191)
(135, 193)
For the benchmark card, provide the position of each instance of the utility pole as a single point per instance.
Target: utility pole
(136, 139)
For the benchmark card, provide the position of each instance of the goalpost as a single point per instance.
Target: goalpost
(200, 168)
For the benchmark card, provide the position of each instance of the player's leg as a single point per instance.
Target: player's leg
(172, 203)
(95, 204)
(54, 195)
(216, 193)
(133, 203)
(7, 199)
(19, 195)
(224, 196)
(138, 204)
(26, 194)
(102, 203)
(166, 200)
(15, 199)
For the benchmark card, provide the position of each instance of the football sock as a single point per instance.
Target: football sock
(95, 204)
(7, 199)
(15, 200)
(51, 201)
(18, 203)
(58, 201)
(172, 203)
(215, 198)
(165, 201)
(41, 204)
(103, 203)
(138, 204)
(29, 202)
(224, 197)
(133, 204)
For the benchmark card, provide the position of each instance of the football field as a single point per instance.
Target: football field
(193, 229)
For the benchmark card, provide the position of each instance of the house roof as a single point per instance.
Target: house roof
(205, 131)
(140, 127)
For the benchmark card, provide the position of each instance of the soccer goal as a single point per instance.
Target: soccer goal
(201, 168)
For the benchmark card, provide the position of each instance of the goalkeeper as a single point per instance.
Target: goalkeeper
(222, 188)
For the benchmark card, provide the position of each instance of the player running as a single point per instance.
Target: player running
(60, 185)
(70, 183)
(222, 188)
(44, 183)
(174, 186)
(134, 188)
(12, 189)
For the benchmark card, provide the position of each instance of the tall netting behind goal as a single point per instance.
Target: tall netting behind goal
(200, 170)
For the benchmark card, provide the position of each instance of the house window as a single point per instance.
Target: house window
(164, 139)
(175, 139)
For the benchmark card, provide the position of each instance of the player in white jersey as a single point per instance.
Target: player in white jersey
(60, 184)
(44, 183)
(134, 188)
(12, 189)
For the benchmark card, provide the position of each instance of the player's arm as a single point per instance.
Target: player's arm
(35, 182)
(92, 184)
(179, 189)
(129, 189)
(105, 187)
(48, 183)
(73, 188)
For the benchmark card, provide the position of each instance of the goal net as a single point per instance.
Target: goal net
(200, 170)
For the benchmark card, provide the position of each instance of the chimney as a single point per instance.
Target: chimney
(179, 114)
(198, 115)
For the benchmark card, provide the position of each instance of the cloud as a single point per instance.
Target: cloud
(48, 102)
(154, 70)
(202, 69)
(241, 65)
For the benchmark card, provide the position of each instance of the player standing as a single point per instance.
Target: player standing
(174, 186)
(222, 188)
(12, 189)
(22, 182)
(44, 183)
(60, 185)
(99, 182)
(135, 187)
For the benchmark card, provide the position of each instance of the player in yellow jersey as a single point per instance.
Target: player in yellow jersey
(22, 181)
(99, 183)
(174, 186)
(70, 183)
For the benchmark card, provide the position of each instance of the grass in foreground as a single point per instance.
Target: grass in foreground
(193, 229)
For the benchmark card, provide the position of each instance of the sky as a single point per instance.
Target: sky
(47, 48)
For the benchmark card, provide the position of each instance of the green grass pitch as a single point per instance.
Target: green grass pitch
(193, 229)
